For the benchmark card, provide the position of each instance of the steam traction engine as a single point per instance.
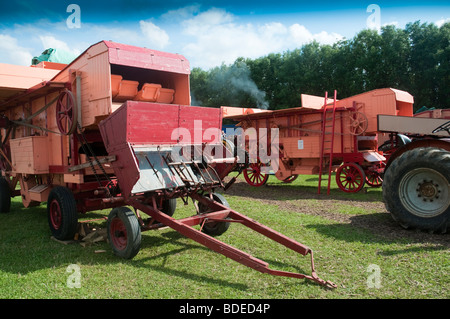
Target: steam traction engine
(115, 129)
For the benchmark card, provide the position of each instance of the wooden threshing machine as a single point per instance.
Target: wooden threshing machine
(115, 129)
(324, 135)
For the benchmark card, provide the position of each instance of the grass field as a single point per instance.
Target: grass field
(356, 245)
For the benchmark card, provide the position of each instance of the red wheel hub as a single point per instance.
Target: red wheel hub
(118, 233)
(55, 214)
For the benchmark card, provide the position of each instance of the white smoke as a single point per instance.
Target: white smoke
(236, 80)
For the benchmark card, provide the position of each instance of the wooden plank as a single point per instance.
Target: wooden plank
(30, 154)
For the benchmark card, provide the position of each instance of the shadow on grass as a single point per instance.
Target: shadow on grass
(143, 262)
(276, 190)
(26, 246)
(379, 228)
(174, 238)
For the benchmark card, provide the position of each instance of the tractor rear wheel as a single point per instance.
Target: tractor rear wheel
(416, 189)
(62, 213)
(214, 228)
(124, 232)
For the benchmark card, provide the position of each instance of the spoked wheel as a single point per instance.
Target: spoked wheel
(358, 123)
(373, 179)
(290, 179)
(350, 177)
(253, 174)
(214, 228)
(66, 113)
(124, 232)
(62, 213)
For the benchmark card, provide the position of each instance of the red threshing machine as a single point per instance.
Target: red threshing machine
(115, 129)
(324, 135)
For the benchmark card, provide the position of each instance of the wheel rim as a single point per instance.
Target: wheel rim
(424, 192)
(254, 176)
(373, 179)
(66, 113)
(358, 123)
(350, 178)
(118, 233)
(55, 214)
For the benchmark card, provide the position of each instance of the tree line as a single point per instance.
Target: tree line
(415, 59)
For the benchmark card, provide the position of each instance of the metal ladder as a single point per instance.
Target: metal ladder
(327, 144)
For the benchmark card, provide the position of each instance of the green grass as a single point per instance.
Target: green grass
(170, 266)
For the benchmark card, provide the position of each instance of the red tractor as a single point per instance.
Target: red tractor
(416, 183)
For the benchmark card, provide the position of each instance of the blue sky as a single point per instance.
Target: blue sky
(208, 33)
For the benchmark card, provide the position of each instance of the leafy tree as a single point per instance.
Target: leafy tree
(424, 62)
(415, 59)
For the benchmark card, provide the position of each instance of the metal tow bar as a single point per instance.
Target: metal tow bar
(219, 213)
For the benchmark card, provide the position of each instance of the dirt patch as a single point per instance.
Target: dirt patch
(374, 216)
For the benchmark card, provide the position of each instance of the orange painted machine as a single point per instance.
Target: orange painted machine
(324, 135)
(115, 129)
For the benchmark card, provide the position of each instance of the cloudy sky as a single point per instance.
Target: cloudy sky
(208, 33)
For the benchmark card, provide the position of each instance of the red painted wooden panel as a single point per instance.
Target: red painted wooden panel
(146, 58)
(144, 123)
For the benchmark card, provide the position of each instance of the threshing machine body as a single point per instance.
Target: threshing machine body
(328, 133)
(114, 129)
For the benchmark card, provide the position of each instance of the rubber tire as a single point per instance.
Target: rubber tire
(215, 229)
(5, 196)
(424, 157)
(133, 232)
(69, 214)
(169, 206)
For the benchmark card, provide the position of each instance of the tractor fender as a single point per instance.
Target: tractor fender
(443, 143)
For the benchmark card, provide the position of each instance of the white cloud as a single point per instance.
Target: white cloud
(157, 37)
(215, 36)
(205, 37)
(207, 21)
(181, 13)
(300, 34)
(327, 38)
(49, 41)
(441, 22)
(13, 53)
